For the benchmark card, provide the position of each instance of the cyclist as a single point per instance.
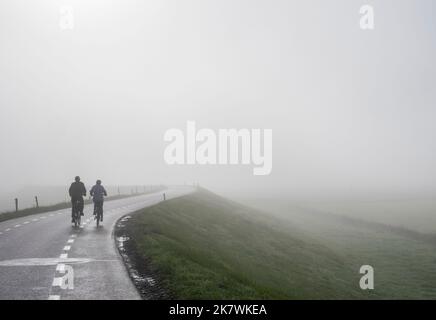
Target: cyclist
(77, 191)
(98, 192)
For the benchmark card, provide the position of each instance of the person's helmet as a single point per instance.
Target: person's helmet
(77, 178)
(98, 181)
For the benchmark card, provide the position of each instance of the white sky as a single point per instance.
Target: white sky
(351, 110)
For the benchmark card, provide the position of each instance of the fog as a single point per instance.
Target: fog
(352, 111)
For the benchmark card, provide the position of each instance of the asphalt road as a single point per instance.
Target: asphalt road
(43, 257)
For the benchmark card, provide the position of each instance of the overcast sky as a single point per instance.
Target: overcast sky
(351, 110)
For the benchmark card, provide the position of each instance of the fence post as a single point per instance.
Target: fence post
(36, 201)
(164, 197)
(16, 204)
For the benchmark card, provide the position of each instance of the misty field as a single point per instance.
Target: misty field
(203, 246)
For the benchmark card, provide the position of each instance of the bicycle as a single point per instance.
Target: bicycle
(98, 208)
(76, 213)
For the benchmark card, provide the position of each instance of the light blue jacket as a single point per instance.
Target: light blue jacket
(98, 192)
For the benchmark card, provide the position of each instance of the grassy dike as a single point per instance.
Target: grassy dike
(202, 246)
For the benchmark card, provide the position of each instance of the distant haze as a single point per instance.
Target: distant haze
(352, 111)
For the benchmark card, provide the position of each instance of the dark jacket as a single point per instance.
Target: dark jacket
(77, 190)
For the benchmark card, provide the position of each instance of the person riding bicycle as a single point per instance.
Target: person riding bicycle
(98, 192)
(77, 191)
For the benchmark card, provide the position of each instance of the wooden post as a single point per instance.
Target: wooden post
(16, 204)
(36, 201)
(164, 197)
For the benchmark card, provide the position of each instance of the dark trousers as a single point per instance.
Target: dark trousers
(77, 201)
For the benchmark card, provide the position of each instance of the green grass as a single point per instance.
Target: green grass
(404, 261)
(205, 247)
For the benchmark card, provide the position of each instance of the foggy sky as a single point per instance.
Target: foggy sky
(351, 110)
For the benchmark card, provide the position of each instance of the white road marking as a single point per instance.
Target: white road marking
(73, 236)
(57, 282)
(54, 297)
(25, 222)
(67, 248)
(8, 229)
(70, 241)
(60, 212)
(51, 215)
(64, 256)
(17, 226)
(34, 220)
(43, 217)
(43, 262)
(60, 268)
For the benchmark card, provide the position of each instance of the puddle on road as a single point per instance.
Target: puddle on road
(120, 242)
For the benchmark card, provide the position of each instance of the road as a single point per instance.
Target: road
(38, 253)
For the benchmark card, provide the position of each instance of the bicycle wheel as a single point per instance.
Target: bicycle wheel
(75, 219)
(74, 214)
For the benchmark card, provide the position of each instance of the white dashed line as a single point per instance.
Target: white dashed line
(43, 217)
(60, 212)
(51, 215)
(17, 226)
(25, 222)
(34, 220)
(8, 229)
(60, 268)
(57, 281)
